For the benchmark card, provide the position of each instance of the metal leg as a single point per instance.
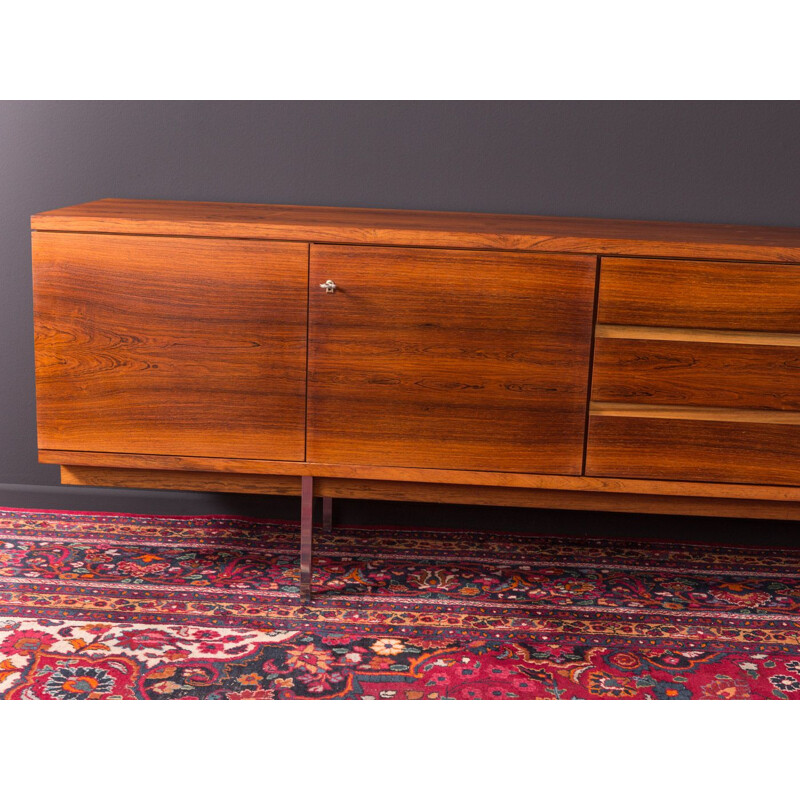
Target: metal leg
(306, 528)
(327, 514)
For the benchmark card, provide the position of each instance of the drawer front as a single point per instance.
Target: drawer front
(671, 448)
(696, 372)
(729, 374)
(163, 345)
(452, 359)
(699, 294)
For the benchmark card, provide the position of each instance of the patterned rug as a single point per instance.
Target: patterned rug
(99, 606)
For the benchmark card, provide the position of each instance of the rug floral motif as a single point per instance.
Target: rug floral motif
(98, 606)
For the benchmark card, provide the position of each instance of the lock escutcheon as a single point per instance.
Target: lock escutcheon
(329, 286)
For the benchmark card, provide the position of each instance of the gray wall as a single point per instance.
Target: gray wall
(693, 161)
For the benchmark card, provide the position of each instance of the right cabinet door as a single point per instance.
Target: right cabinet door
(453, 359)
(696, 372)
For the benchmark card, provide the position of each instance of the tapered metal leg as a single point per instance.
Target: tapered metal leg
(306, 530)
(327, 514)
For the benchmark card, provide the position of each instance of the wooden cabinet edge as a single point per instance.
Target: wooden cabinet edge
(180, 480)
(431, 492)
(558, 499)
(433, 229)
(563, 483)
(607, 248)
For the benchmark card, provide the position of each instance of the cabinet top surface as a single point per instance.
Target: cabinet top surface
(425, 229)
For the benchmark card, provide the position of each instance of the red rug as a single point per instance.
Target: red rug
(107, 606)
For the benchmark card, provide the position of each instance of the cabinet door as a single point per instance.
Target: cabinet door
(449, 358)
(179, 346)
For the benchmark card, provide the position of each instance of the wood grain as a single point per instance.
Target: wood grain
(699, 294)
(180, 480)
(411, 474)
(660, 334)
(425, 229)
(538, 498)
(171, 353)
(448, 359)
(691, 373)
(711, 413)
(169, 345)
(693, 450)
(437, 493)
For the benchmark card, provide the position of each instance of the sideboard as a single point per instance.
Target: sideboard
(463, 358)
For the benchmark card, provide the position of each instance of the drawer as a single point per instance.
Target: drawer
(696, 372)
(699, 294)
(670, 448)
(732, 373)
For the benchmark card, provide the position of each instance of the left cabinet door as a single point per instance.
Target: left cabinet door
(176, 346)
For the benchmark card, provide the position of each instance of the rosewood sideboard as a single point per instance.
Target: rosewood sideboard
(464, 358)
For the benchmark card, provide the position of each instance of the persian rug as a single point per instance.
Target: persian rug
(96, 606)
